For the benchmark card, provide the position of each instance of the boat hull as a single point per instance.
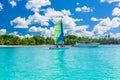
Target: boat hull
(87, 45)
(54, 48)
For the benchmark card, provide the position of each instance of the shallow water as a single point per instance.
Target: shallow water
(40, 63)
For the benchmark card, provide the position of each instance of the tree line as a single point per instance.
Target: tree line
(39, 40)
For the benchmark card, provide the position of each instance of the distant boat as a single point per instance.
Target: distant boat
(86, 44)
(59, 36)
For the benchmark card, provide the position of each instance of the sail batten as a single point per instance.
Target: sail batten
(59, 36)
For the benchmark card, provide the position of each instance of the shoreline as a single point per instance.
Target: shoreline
(24, 45)
(27, 45)
(42, 45)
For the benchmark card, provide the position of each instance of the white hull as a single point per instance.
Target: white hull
(54, 48)
(86, 45)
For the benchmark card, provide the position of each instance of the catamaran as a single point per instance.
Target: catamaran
(59, 36)
(86, 44)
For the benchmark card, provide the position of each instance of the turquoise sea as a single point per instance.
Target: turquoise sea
(40, 63)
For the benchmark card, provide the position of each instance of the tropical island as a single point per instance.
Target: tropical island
(39, 40)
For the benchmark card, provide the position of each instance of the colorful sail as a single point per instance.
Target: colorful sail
(59, 36)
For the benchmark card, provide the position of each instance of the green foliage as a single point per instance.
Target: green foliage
(39, 40)
(49, 41)
(70, 39)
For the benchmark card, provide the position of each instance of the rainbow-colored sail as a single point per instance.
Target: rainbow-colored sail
(58, 35)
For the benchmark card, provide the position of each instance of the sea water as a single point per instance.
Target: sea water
(40, 63)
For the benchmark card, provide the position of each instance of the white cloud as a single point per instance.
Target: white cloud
(51, 15)
(69, 22)
(38, 19)
(117, 36)
(78, 31)
(102, 0)
(1, 6)
(15, 33)
(20, 22)
(110, 1)
(3, 31)
(95, 19)
(81, 31)
(54, 15)
(43, 20)
(34, 29)
(24, 36)
(13, 3)
(27, 36)
(83, 9)
(43, 31)
(118, 4)
(78, 9)
(106, 25)
(84, 34)
(116, 12)
(77, 3)
(114, 35)
(35, 5)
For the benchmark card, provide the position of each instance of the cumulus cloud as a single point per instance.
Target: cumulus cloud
(78, 31)
(38, 19)
(27, 36)
(43, 31)
(15, 33)
(78, 9)
(106, 24)
(13, 3)
(110, 1)
(20, 22)
(43, 20)
(54, 15)
(83, 9)
(1, 6)
(36, 5)
(69, 22)
(50, 15)
(34, 29)
(116, 12)
(95, 19)
(116, 35)
(3, 31)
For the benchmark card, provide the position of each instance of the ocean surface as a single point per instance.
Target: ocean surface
(40, 63)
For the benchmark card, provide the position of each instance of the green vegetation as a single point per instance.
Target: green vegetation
(39, 40)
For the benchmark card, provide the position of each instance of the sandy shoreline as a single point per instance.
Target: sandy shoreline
(27, 45)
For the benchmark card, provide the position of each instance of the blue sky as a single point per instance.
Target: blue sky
(88, 18)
